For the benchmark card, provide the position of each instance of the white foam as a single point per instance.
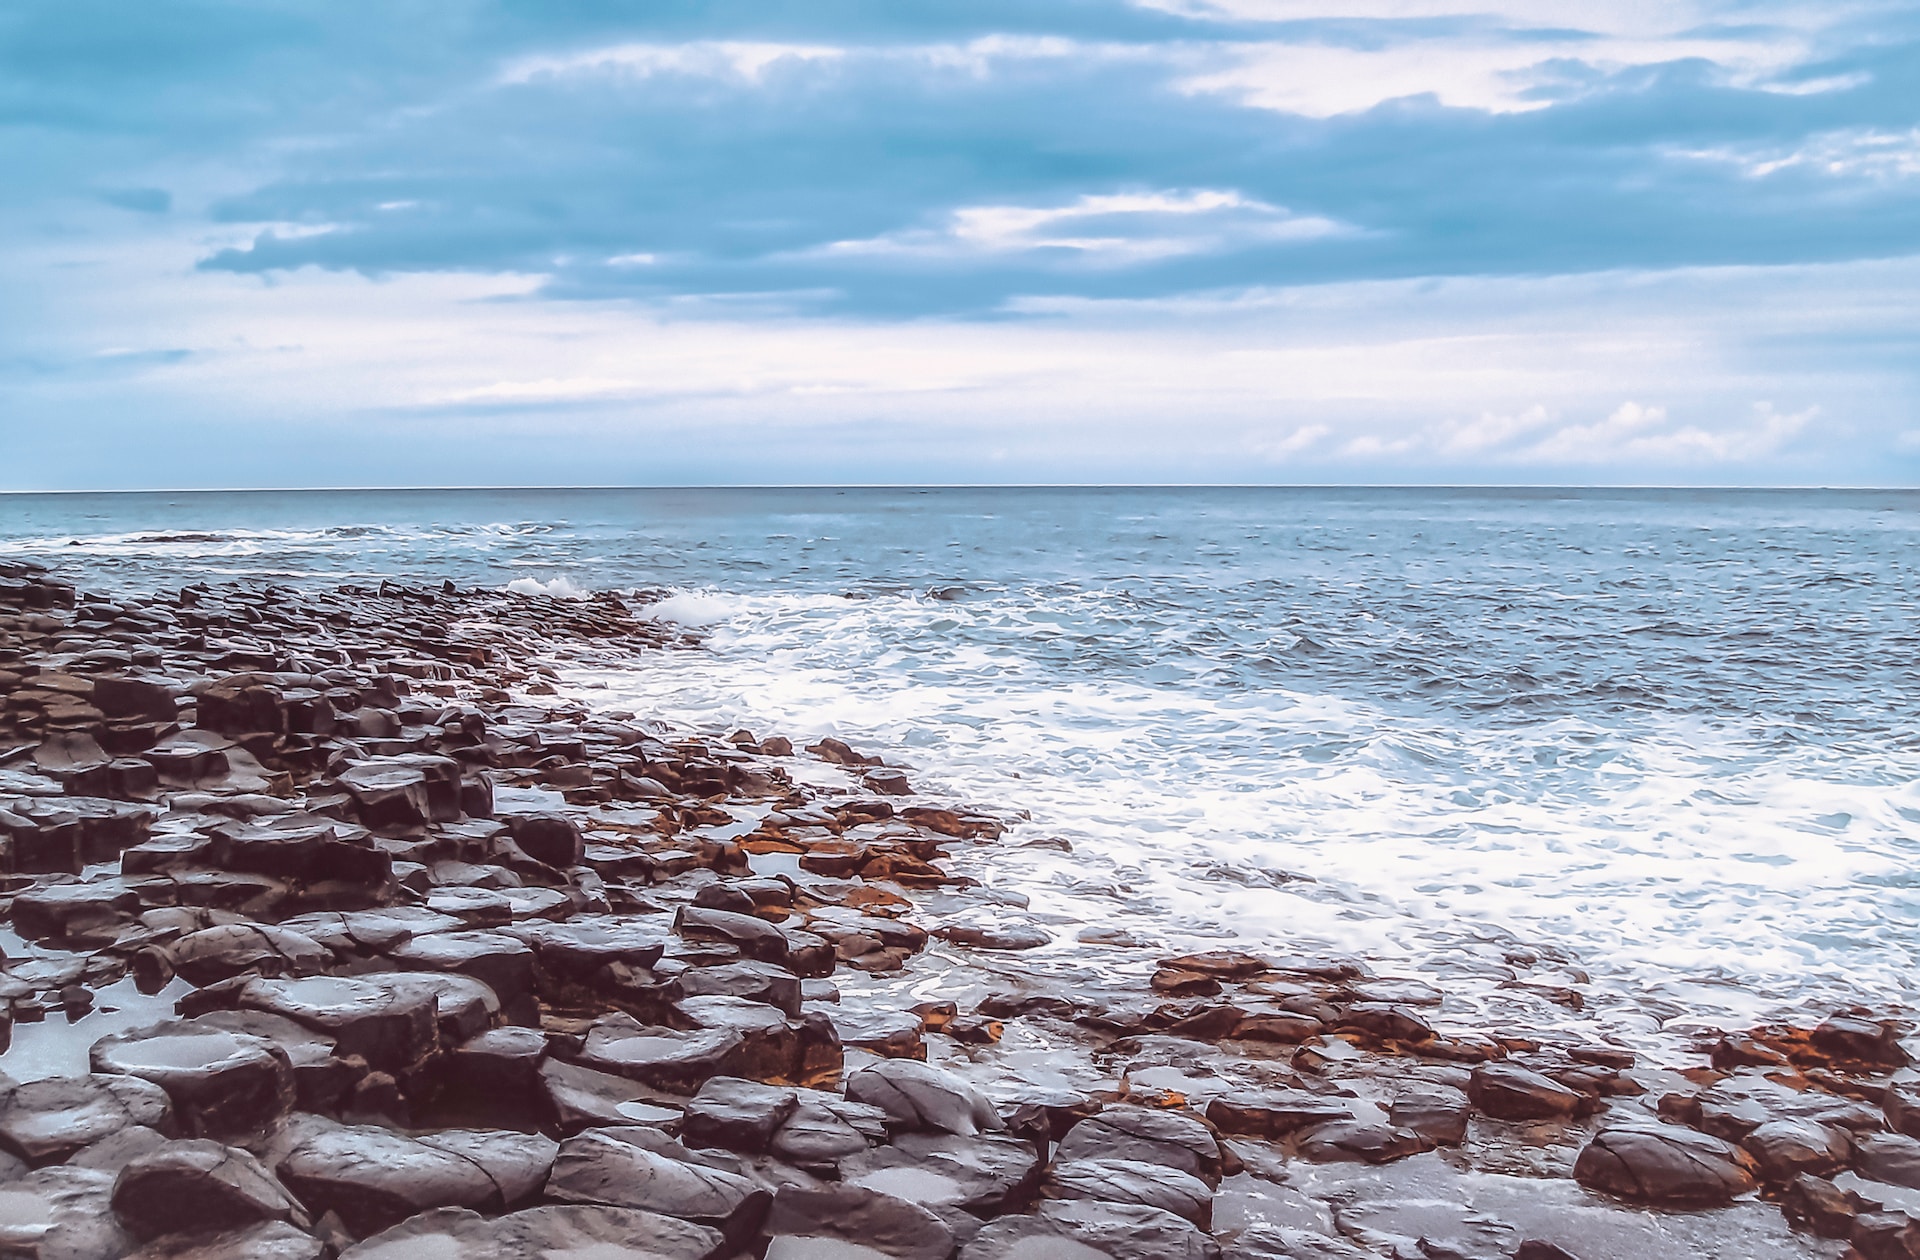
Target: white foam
(561, 587)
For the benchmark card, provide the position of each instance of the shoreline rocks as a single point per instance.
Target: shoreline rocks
(458, 966)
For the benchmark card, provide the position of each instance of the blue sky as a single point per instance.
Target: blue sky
(459, 242)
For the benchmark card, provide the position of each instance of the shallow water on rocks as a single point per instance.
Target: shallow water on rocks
(1667, 739)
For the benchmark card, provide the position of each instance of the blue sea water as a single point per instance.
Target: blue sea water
(1666, 740)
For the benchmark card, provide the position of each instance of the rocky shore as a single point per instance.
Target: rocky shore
(398, 954)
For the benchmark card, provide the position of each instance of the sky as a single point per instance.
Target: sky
(558, 242)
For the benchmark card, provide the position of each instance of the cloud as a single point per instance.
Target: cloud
(1112, 229)
(1637, 434)
(1383, 238)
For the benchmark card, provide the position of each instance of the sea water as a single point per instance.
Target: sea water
(1665, 741)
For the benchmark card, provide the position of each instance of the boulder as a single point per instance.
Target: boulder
(1785, 1149)
(566, 1232)
(1170, 1138)
(1090, 1230)
(200, 1185)
(374, 1178)
(47, 1121)
(1132, 1181)
(1273, 1113)
(271, 1241)
(919, 1096)
(223, 1084)
(737, 1114)
(1507, 1091)
(858, 1218)
(1664, 1166)
(63, 1214)
(629, 1167)
(391, 1029)
(986, 1174)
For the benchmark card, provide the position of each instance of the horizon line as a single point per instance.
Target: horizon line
(985, 485)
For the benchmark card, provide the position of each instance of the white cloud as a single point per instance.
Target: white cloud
(1116, 228)
(1296, 442)
(707, 58)
(1850, 153)
(1637, 434)
(1482, 70)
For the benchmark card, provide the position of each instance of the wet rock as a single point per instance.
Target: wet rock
(1507, 1091)
(1085, 1230)
(1133, 1182)
(495, 959)
(621, 1168)
(1851, 1039)
(218, 953)
(222, 1084)
(496, 1071)
(554, 839)
(755, 938)
(817, 1136)
(47, 1121)
(755, 981)
(918, 1096)
(566, 1232)
(1890, 1157)
(1385, 1022)
(1360, 1141)
(1886, 1236)
(986, 1175)
(271, 1241)
(1438, 1113)
(737, 1114)
(117, 1150)
(856, 1217)
(391, 1028)
(663, 1058)
(87, 912)
(1170, 1138)
(1273, 1113)
(1664, 1166)
(62, 1214)
(200, 1185)
(1784, 1149)
(579, 1097)
(1820, 1207)
(374, 1178)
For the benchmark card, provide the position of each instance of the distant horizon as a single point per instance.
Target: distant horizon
(1622, 487)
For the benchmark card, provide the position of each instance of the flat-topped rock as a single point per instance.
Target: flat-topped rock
(1170, 1138)
(62, 1213)
(622, 1168)
(47, 1121)
(389, 1028)
(223, 1084)
(565, 1232)
(985, 1174)
(1090, 1230)
(858, 1217)
(374, 1178)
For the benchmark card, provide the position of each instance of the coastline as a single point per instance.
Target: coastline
(647, 911)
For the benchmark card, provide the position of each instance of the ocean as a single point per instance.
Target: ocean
(1662, 745)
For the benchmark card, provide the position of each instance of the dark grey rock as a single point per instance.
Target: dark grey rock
(222, 1084)
(200, 1185)
(1665, 1166)
(46, 1121)
(920, 1096)
(737, 1114)
(864, 1218)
